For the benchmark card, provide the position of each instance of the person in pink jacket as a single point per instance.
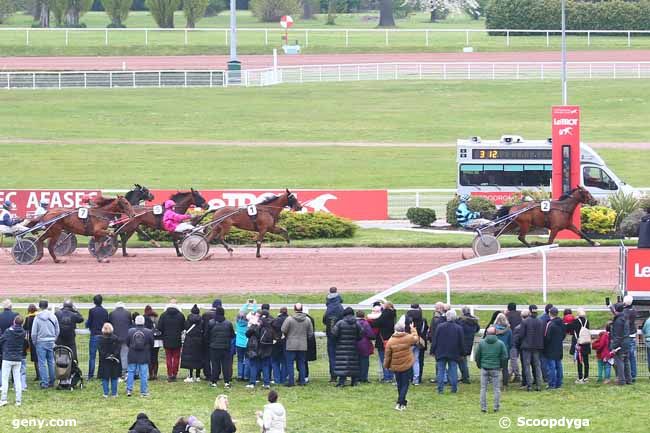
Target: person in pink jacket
(173, 221)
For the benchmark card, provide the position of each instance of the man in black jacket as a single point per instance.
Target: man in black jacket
(220, 334)
(120, 318)
(333, 313)
(68, 318)
(278, 356)
(620, 334)
(385, 323)
(347, 332)
(205, 319)
(139, 341)
(470, 327)
(447, 345)
(553, 349)
(630, 316)
(532, 344)
(171, 324)
(97, 316)
(514, 319)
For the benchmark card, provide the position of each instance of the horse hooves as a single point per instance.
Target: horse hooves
(258, 256)
(59, 261)
(103, 261)
(596, 244)
(230, 253)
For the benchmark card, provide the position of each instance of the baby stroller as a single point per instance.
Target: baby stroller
(66, 369)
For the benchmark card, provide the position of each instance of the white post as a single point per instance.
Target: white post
(27, 37)
(426, 37)
(548, 40)
(386, 37)
(185, 36)
(33, 80)
(85, 80)
(159, 79)
(347, 37)
(588, 38)
(133, 77)
(110, 79)
(467, 38)
(358, 72)
(59, 80)
(508, 38)
(614, 70)
(417, 198)
(106, 37)
(146, 37)
(266, 36)
(448, 281)
(543, 275)
(590, 71)
(66, 37)
(629, 41)
(185, 80)
(210, 79)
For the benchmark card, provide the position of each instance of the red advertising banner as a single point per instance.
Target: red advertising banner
(566, 156)
(638, 270)
(26, 201)
(352, 204)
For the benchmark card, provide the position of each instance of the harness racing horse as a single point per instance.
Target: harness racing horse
(268, 212)
(559, 217)
(147, 216)
(96, 224)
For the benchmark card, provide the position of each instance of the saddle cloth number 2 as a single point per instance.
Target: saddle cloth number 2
(545, 205)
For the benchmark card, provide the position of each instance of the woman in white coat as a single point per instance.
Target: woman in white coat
(274, 417)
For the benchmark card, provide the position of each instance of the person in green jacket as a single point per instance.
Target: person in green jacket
(646, 334)
(491, 356)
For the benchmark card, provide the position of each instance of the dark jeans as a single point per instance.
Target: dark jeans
(331, 355)
(243, 366)
(583, 367)
(153, 363)
(632, 351)
(221, 360)
(623, 371)
(464, 369)
(279, 366)
(532, 360)
(300, 356)
(364, 366)
(403, 380)
(92, 354)
(257, 365)
(388, 375)
(555, 372)
(451, 368)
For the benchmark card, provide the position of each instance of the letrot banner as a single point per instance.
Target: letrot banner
(352, 204)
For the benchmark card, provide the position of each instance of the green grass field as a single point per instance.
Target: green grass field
(329, 39)
(386, 112)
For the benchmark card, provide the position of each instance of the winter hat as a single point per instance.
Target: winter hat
(553, 311)
(142, 415)
(139, 320)
(266, 307)
(512, 306)
(376, 304)
(619, 307)
(532, 308)
(195, 309)
(220, 311)
(348, 311)
(216, 303)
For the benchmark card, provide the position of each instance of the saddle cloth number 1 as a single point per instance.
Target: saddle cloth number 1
(252, 210)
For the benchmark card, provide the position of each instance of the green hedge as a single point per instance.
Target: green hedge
(421, 216)
(581, 15)
(316, 225)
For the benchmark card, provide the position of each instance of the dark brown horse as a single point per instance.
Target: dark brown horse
(558, 217)
(144, 215)
(96, 224)
(268, 212)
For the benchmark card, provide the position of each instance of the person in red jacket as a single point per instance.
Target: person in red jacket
(601, 346)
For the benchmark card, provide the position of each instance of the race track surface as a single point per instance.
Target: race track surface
(263, 61)
(302, 270)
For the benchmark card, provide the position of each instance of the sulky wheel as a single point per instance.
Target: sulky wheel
(66, 244)
(25, 251)
(194, 248)
(106, 249)
(485, 245)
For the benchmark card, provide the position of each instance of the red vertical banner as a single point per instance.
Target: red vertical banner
(566, 156)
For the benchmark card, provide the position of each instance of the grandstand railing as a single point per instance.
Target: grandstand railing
(439, 71)
(344, 37)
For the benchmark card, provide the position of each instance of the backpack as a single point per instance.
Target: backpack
(138, 340)
(267, 336)
(584, 336)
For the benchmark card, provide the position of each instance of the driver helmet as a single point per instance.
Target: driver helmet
(44, 203)
(169, 204)
(7, 204)
(464, 198)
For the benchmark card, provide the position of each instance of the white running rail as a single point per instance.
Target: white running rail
(444, 270)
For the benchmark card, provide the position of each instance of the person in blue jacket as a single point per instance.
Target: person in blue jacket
(9, 224)
(464, 215)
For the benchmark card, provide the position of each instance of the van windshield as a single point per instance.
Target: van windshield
(528, 175)
(596, 177)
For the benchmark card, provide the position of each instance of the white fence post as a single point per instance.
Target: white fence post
(185, 37)
(426, 37)
(588, 38)
(639, 70)
(467, 38)
(185, 79)
(339, 72)
(85, 80)
(27, 37)
(106, 37)
(266, 36)
(629, 39)
(110, 79)
(347, 38)
(33, 80)
(614, 70)
(159, 79)
(146, 37)
(508, 38)
(548, 40)
(417, 198)
(386, 37)
(59, 80)
(358, 72)
(66, 37)
(590, 71)
(133, 78)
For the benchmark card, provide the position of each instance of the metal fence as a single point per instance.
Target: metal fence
(324, 73)
(307, 37)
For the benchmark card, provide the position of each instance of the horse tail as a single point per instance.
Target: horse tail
(503, 211)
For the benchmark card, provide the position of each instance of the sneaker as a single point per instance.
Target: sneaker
(197, 379)
(250, 386)
(145, 395)
(226, 385)
(3, 403)
(579, 381)
(114, 396)
(484, 410)
(213, 384)
(105, 395)
(189, 380)
(17, 404)
(398, 407)
(128, 393)
(586, 380)
(267, 387)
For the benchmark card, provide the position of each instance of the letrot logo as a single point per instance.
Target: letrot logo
(641, 272)
(565, 122)
(318, 203)
(566, 131)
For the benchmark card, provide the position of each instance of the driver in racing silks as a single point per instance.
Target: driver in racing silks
(465, 217)
(10, 224)
(173, 221)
